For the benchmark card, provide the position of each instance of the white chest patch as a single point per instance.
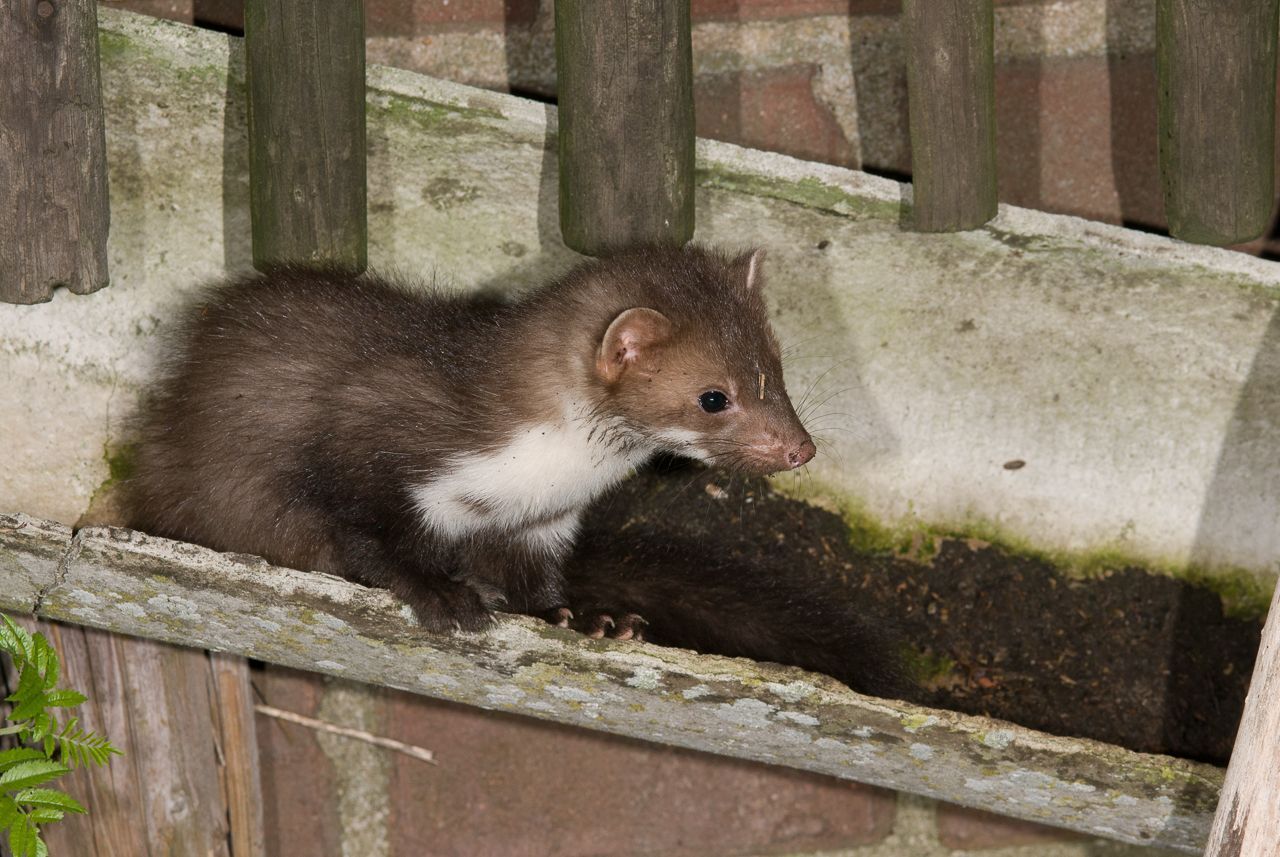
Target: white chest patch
(545, 472)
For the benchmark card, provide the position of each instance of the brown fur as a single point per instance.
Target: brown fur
(300, 406)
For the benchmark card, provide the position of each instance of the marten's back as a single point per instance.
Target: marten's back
(274, 385)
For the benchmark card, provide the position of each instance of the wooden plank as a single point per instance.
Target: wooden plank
(53, 162)
(626, 138)
(307, 184)
(951, 100)
(1216, 63)
(153, 700)
(181, 593)
(237, 733)
(1247, 823)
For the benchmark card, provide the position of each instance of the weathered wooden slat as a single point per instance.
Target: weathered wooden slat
(187, 782)
(162, 796)
(1247, 823)
(305, 68)
(238, 741)
(53, 165)
(1216, 64)
(951, 100)
(136, 584)
(626, 138)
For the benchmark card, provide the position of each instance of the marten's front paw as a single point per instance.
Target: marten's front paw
(613, 625)
(445, 605)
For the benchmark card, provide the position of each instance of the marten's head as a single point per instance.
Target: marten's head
(694, 365)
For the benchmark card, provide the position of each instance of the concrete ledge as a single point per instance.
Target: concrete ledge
(135, 584)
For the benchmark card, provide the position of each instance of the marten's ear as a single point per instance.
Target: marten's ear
(750, 269)
(632, 336)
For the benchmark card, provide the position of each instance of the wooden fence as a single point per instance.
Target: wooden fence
(625, 148)
(626, 128)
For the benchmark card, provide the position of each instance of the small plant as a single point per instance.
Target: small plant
(25, 802)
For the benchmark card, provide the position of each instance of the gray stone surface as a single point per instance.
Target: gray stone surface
(135, 584)
(31, 555)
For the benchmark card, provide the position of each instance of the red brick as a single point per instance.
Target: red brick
(413, 17)
(299, 793)
(971, 828)
(515, 786)
(774, 110)
(1078, 136)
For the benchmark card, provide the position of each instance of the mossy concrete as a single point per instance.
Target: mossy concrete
(135, 584)
(1129, 375)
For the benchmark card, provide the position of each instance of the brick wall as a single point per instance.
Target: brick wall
(514, 786)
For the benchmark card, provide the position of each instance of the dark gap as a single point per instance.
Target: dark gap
(888, 173)
(532, 94)
(224, 16)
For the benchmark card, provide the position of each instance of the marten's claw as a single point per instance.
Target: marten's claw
(628, 626)
(560, 617)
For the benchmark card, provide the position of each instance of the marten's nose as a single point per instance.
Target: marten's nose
(801, 454)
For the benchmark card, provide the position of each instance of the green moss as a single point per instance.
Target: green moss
(809, 192)
(914, 722)
(121, 463)
(1245, 594)
(111, 45)
(447, 119)
(925, 667)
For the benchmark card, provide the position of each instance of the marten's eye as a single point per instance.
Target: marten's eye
(713, 401)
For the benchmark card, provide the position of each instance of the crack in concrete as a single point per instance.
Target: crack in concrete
(60, 574)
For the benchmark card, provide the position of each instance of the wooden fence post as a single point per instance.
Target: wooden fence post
(53, 164)
(187, 782)
(305, 69)
(1216, 64)
(625, 72)
(951, 99)
(1247, 823)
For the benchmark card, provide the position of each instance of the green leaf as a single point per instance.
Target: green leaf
(45, 659)
(14, 640)
(41, 725)
(8, 811)
(76, 747)
(64, 698)
(26, 774)
(31, 705)
(9, 758)
(48, 797)
(45, 815)
(29, 685)
(23, 838)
